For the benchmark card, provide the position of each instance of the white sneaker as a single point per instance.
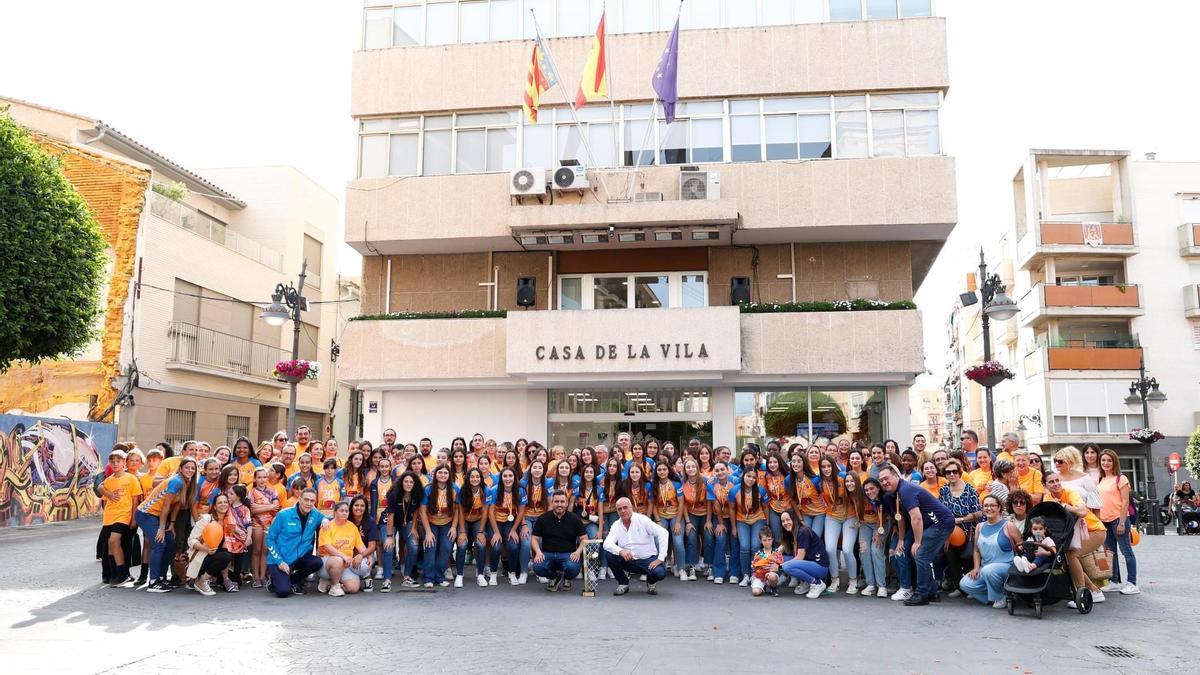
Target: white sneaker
(480, 580)
(734, 580)
(1000, 604)
(902, 594)
(1130, 589)
(815, 591)
(745, 582)
(802, 588)
(955, 593)
(522, 579)
(458, 581)
(1097, 597)
(379, 573)
(709, 576)
(835, 586)
(882, 593)
(492, 579)
(323, 586)
(512, 579)
(642, 577)
(869, 590)
(541, 580)
(793, 582)
(719, 580)
(682, 575)
(852, 590)
(1113, 587)
(336, 591)
(691, 575)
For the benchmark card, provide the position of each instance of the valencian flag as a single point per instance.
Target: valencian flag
(540, 78)
(666, 76)
(594, 84)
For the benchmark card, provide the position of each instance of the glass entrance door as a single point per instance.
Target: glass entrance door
(584, 416)
(577, 434)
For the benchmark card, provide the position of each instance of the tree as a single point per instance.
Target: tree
(1191, 456)
(54, 255)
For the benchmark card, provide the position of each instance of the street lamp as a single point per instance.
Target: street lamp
(996, 305)
(1144, 393)
(288, 303)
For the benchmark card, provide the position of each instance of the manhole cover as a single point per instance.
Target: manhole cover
(1115, 652)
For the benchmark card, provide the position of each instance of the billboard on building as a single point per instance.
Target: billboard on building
(47, 466)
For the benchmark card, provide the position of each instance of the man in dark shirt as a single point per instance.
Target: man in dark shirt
(931, 524)
(558, 539)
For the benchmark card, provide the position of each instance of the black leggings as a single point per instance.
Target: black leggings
(215, 563)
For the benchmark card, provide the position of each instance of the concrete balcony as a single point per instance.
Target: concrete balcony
(1189, 240)
(1044, 302)
(1191, 301)
(201, 350)
(187, 218)
(1055, 238)
(1089, 357)
(884, 199)
(549, 348)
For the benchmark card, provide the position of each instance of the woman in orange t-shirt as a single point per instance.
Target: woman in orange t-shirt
(931, 480)
(774, 481)
(1114, 513)
(837, 519)
(1055, 492)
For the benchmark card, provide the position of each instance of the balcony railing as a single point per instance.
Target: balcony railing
(1189, 240)
(185, 217)
(1102, 353)
(1191, 301)
(1082, 234)
(209, 350)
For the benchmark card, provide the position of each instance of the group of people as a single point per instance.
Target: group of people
(834, 516)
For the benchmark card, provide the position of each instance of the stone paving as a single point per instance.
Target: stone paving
(55, 618)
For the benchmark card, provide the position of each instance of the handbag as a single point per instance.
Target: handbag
(1080, 535)
(1097, 565)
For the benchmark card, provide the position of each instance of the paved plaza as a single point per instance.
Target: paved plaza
(55, 618)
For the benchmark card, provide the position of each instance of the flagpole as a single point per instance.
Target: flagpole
(653, 120)
(587, 147)
(612, 100)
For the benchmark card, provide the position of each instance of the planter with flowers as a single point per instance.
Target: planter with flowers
(989, 373)
(296, 370)
(1145, 435)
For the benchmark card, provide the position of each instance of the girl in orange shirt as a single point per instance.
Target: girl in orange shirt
(704, 459)
(458, 466)
(749, 508)
(697, 526)
(665, 510)
(264, 504)
(833, 494)
(775, 483)
(353, 475)
(276, 480)
(931, 481)
(637, 490)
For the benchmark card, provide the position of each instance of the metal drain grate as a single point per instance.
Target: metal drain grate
(1115, 651)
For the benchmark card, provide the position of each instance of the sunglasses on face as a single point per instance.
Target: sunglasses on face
(1019, 502)
(952, 471)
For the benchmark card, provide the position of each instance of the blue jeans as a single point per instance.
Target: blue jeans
(989, 587)
(513, 547)
(158, 551)
(609, 519)
(816, 524)
(806, 571)
(872, 555)
(693, 541)
(723, 544)
(526, 553)
(902, 564)
(933, 540)
(1111, 542)
(412, 548)
(747, 536)
(555, 564)
(621, 568)
(776, 525)
(676, 539)
(472, 530)
(591, 528)
(438, 562)
(298, 571)
(847, 531)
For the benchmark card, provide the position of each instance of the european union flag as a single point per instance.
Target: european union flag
(666, 76)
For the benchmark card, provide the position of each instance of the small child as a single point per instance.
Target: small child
(766, 565)
(1038, 549)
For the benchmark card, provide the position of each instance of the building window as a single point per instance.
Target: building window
(640, 291)
(180, 427)
(783, 128)
(236, 427)
(313, 254)
(187, 303)
(805, 414)
(1091, 408)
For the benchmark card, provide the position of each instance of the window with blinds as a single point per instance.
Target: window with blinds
(236, 426)
(180, 427)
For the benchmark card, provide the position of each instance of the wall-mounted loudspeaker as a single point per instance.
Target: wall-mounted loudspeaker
(739, 290)
(526, 291)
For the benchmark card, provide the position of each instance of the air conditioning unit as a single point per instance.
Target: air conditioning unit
(527, 182)
(696, 184)
(570, 178)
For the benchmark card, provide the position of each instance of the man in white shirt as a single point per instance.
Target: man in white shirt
(635, 544)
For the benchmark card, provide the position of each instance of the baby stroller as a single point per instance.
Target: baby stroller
(1050, 582)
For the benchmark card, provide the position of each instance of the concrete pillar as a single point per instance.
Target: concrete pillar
(373, 415)
(898, 415)
(723, 412)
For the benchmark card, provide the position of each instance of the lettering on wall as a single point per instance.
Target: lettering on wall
(613, 352)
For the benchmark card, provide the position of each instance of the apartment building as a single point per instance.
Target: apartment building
(1106, 275)
(805, 164)
(194, 268)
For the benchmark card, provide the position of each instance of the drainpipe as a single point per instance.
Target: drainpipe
(387, 292)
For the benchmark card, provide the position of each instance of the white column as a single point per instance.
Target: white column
(373, 415)
(898, 415)
(723, 412)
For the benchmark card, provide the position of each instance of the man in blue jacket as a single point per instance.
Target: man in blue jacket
(290, 541)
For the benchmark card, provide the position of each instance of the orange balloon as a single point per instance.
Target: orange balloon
(213, 534)
(958, 537)
(1135, 537)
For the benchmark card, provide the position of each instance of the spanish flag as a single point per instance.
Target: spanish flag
(594, 84)
(540, 78)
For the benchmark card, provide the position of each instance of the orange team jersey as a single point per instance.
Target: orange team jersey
(264, 497)
(329, 493)
(979, 479)
(641, 500)
(383, 487)
(936, 488)
(695, 497)
(430, 462)
(505, 506)
(611, 493)
(478, 506)
(281, 492)
(1069, 497)
(489, 480)
(1031, 482)
(126, 488)
(168, 467)
(205, 494)
(719, 494)
(291, 470)
(744, 506)
(777, 494)
(352, 484)
(835, 508)
(814, 502)
(535, 491)
(152, 498)
(246, 473)
(587, 502)
(440, 506)
(870, 515)
(666, 499)
(1004, 454)
(343, 537)
(147, 481)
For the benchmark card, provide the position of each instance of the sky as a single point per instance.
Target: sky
(224, 83)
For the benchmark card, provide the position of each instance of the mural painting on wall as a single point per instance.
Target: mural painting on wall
(47, 466)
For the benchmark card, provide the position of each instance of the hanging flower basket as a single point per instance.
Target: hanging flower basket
(989, 374)
(1145, 435)
(298, 370)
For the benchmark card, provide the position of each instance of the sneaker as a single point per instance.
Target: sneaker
(692, 574)
(448, 575)
(257, 583)
(622, 589)
(642, 577)
(1071, 605)
(682, 575)
(1000, 604)
(733, 579)
(158, 586)
(458, 581)
(409, 582)
(709, 576)
(1130, 589)
(565, 585)
(902, 594)
(492, 579)
(386, 586)
(815, 590)
(916, 600)
(882, 593)
(201, 586)
(379, 573)
(336, 591)
(512, 579)
(744, 582)
(835, 585)
(801, 590)
(1113, 587)
(428, 584)
(793, 582)
(651, 589)
(446, 584)
(541, 580)
(127, 582)
(1097, 597)
(719, 581)
(955, 593)
(231, 586)
(852, 589)
(368, 585)
(323, 586)
(869, 590)
(523, 578)
(552, 585)
(480, 580)
(299, 589)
